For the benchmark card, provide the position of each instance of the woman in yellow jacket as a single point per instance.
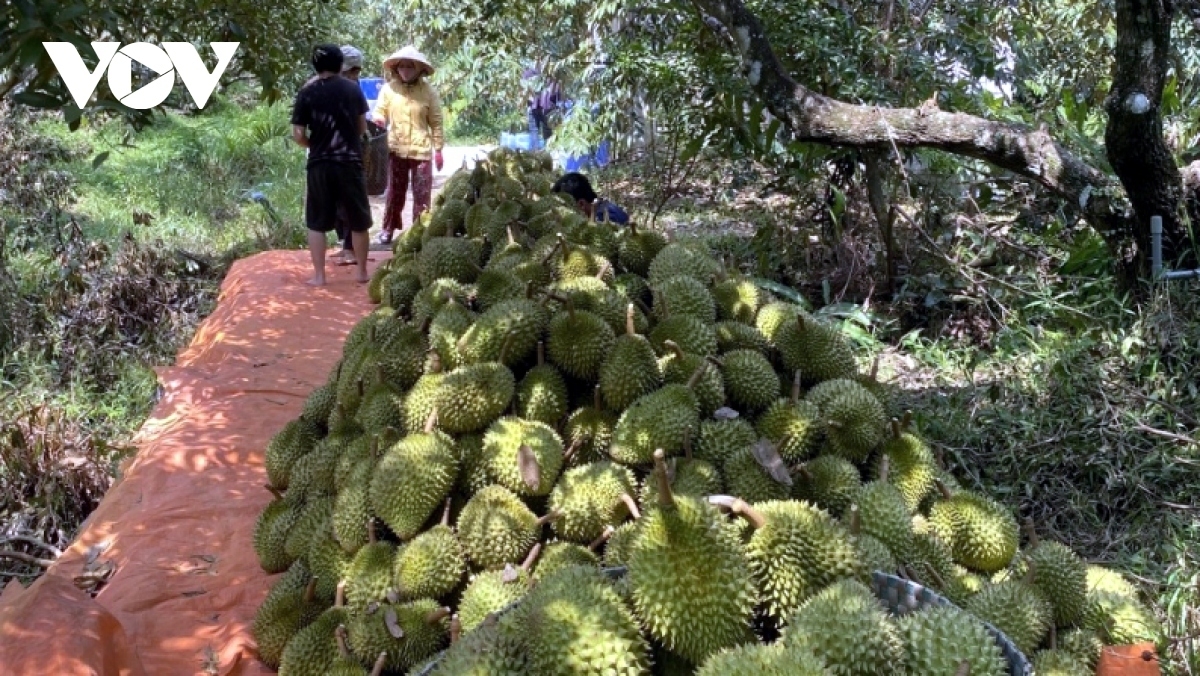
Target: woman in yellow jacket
(412, 112)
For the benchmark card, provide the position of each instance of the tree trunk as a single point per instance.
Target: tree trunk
(1133, 138)
(1152, 183)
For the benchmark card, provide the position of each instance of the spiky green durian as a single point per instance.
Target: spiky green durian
(419, 404)
(542, 393)
(382, 406)
(403, 352)
(632, 288)
(690, 258)
(314, 649)
(981, 532)
(747, 479)
(662, 419)
(369, 576)
(630, 370)
(400, 288)
(756, 659)
(589, 431)
(793, 425)
(312, 475)
(591, 498)
(579, 341)
(750, 382)
(1060, 576)
(1119, 620)
(495, 286)
(476, 219)
(524, 456)
(854, 419)
(688, 476)
(912, 465)
(820, 351)
(1101, 579)
(431, 565)
(508, 332)
(375, 286)
(1015, 608)
(773, 316)
(738, 300)
(720, 439)
(846, 627)
(938, 639)
(683, 295)
(407, 632)
(885, 517)
(409, 241)
(678, 546)
(490, 592)
(296, 439)
(446, 220)
(270, 534)
(412, 480)
(580, 261)
(689, 332)
(318, 405)
(484, 650)
(454, 258)
(559, 555)
(829, 482)
(737, 336)
(289, 606)
(433, 297)
(496, 528)
(450, 323)
(1059, 663)
(471, 397)
(636, 249)
(1084, 644)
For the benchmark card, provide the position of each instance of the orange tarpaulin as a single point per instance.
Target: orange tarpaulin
(177, 528)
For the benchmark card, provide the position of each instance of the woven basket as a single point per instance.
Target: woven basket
(375, 163)
(903, 596)
(899, 595)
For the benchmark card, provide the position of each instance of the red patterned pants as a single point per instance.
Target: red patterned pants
(402, 173)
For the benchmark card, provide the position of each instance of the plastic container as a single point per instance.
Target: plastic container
(370, 87)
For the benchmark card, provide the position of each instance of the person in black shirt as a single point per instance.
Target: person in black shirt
(329, 118)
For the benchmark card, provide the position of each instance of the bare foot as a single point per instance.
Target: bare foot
(316, 281)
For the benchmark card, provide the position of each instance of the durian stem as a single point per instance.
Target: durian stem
(431, 421)
(631, 506)
(597, 399)
(599, 542)
(875, 369)
(674, 347)
(512, 235)
(446, 512)
(796, 387)
(339, 594)
(455, 629)
(361, 387)
(274, 491)
(541, 352)
(964, 669)
(833, 424)
(642, 305)
(630, 329)
(343, 649)
(885, 466)
(1031, 574)
(435, 616)
(800, 322)
(371, 535)
(435, 361)
(896, 431)
(572, 450)
(380, 662)
(310, 592)
(715, 361)
(906, 421)
(939, 455)
(741, 508)
(943, 489)
(802, 472)
(665, 498)
(1053, 637)
(1031, 533)
(504, 347)
(562, 245)
(532, 557)
(855, 521)
(529, 289)
(691, 383)
(687, 443)
(424, 328)
(604, 270)
(565, 300)
(543, 520)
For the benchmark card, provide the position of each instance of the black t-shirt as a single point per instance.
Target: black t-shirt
(330, 108)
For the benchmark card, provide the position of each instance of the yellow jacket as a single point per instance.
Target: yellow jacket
(414, 117)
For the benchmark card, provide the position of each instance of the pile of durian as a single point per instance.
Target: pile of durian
(566, 447)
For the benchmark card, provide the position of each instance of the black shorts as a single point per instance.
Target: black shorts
(332, 185)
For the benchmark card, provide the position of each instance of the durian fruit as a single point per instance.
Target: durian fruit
(1084, 644)
(508, 332)
(524, 456)
(637, 247)
(579, 341)
(375, 286)
(369, 576)
(1060, 577)
(588, 432)
(447, 329)
(720, 439)
(472, 396)
(412, 479)
(558, 555)
(403, 354)
(793, 425)
(345, 663)
(683, 258)
(312, 475)
(317, 407)
(687, 476)
(962, 585)
(407, 632)
(795, 551)
(289, 606)
(472, 474)
(382, 405)
(912, 464)
(750, 382)
(829, 482)
(981, 532)
(874, 554)
(591, 498)
(432, 564)
(688, 578)
(329, 562)
(575, 624)
(661, 419)
(270, 534)
(454, 258)
(690, 333)
(1119, 620)
(631, 369)
(1059, 663)
(433, 297)
(677, 367)
(818, 350)
(1015, 607)
(756, 659)
(737, 336)
(492, 591)
(746, 478)
(1101, 579)
(352, 507)
(854, 418)
(484, 650)
(683, 295)
(542, 393)
(296, 439)
(847, 627)
(885, 516)
(939, 639)
(496, 528)
(419, 403)
(632, 287)
(772, 317)
(738, 300)
(313, 650)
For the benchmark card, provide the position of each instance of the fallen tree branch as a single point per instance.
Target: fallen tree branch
(25, 558)
(30, 540)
